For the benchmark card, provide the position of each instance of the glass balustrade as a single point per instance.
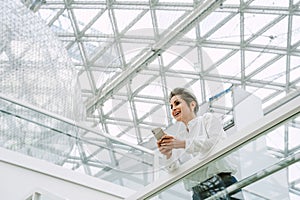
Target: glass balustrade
(44, 135)
(267, 167)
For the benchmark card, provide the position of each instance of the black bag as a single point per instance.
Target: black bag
(210, 187)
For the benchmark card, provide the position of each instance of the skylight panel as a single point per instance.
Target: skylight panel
(270, 3)
(255, 22)
(63, 24)
(275, 72)
(214, 55)
(230, 67)
(276, 35)
(102, 25)
(254, 60)
(84, 16)
(143, 27)
(296, 30)
(165, 18)
(229, 32)
(295, 69)
(125, 17)
(152, 90)
(211, 21)
(176, 1)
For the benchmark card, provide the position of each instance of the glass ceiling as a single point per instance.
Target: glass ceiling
(130, 54)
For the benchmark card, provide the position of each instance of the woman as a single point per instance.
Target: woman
(200, 135)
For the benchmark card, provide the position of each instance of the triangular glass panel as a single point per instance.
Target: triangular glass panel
(147, 135)
(74, 52)
(132, 50)
(134, 1)
(175, 79)
(108, 107)
(123, 90)
(129, 136)
(166, 18)
(192, 58)
(84, 81)
(173, 53)
(212, 55)
(168, 57)
(125, 17)
(229, 32)
(184, 63)
(91, 47)
(140, 80)
(84, 16)
(148, 112)
(108, 57)
(190, 34)
(116, 130)
(101, 78)
(177, 1)
(213, 88)
(154, 90)
(255, 22)
(48, 14)
(63, 24)
(211, 21)
(295, 30)
(158, 115)
(121, 111)
(230, 67)
(273, 73)
(237, 2)
(275, 3)
(254, 60)
(295, 68)
(143, 109)
(197, 91)
(275, 36)
(143, 27)
(101, 25)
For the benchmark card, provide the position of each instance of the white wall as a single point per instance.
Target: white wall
(21, 176)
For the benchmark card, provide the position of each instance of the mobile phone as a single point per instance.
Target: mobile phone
(158, 133)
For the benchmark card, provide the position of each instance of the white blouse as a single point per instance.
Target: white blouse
(204, 133)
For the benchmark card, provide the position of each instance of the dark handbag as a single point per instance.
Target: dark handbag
(210, 187)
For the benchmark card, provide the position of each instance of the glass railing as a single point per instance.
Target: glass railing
(44, 135)
(265, 157)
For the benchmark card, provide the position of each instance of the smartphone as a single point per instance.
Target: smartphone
(158, 133)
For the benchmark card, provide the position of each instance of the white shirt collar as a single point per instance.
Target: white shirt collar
(192, 123)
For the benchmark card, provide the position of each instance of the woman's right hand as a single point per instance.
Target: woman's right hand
(163, 147)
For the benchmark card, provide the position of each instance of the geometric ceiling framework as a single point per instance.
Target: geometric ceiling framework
(130, 54)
